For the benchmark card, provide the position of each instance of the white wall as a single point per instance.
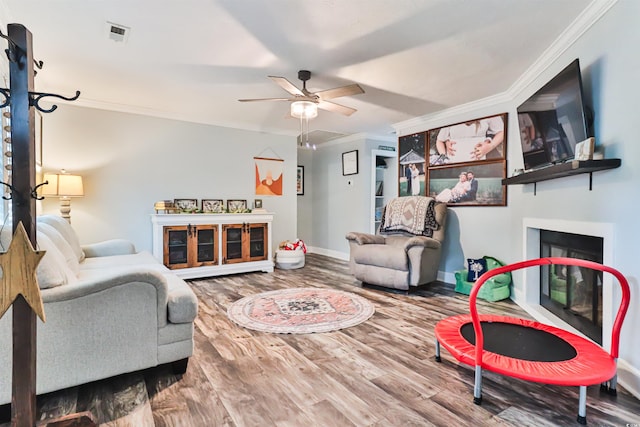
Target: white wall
(130, 161)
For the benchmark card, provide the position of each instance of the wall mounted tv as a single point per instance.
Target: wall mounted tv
(553, 120)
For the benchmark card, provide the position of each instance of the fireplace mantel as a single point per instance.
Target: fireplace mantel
(574, 167)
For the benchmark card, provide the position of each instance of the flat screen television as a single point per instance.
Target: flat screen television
(553, 120)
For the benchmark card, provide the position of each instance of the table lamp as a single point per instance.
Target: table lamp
(65, 186)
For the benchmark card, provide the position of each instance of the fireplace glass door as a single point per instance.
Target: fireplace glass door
(572, 293)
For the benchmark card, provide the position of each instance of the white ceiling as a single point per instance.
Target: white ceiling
(193, 59)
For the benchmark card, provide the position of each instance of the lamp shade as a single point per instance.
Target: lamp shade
(63, 185)
(304, 110)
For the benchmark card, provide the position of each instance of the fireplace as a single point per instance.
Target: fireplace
(574, 294)
(535, 292)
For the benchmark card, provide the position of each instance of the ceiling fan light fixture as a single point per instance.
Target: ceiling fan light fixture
(304, 110)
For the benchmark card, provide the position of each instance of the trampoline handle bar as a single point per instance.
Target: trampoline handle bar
(617, 324)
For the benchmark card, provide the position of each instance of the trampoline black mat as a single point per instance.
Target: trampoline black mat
(520, 342)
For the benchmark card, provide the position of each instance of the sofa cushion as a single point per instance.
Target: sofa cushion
(382, 255)
(52, 270)
(140, 258)
(64, 228)
(61, 243)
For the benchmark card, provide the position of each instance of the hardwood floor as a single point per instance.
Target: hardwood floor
(379, 373)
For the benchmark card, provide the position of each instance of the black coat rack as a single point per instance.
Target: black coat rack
(20, 97)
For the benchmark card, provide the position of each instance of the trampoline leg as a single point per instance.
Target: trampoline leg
(613, 383)
(438, 358)
(477, 387)
(582, 406)
(610, 386)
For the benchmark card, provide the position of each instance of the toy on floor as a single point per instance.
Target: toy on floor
(529, 350)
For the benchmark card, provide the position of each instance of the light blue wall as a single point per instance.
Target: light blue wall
(339, 204)
(130, 161)
(610, 66)
(305, 206)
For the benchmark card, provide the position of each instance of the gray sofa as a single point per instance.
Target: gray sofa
(109, 310)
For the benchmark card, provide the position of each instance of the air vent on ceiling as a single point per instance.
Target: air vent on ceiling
(117, 32)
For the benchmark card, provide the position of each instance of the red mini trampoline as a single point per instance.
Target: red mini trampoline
(530, 350)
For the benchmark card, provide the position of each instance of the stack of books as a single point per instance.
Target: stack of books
(167, 206)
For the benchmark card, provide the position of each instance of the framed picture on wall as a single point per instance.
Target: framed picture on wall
(470, 141)
(469, 184)
(350, 163)
(300, 181)
(412, 165)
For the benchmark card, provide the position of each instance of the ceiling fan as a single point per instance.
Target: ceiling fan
(319, 98)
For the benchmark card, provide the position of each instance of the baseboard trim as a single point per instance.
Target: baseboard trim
(328, 252)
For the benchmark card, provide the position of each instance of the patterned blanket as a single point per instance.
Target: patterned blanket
(412, 214)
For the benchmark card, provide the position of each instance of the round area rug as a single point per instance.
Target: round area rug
(300, 311)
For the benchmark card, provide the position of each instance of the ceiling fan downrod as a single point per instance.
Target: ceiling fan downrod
(304, 75)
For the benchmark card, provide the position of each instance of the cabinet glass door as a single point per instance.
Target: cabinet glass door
(206, 245)
(257, 239)
(176, 248)
(232, 243)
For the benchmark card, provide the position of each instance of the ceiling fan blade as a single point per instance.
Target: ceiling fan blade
(336, 108)
(264, 99)
(287, 85)
(348, 90)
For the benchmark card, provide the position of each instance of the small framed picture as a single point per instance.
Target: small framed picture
(212, 206)
(257, 204)
(236, 206)
(186, 205)
(350, 163)
(300, 181)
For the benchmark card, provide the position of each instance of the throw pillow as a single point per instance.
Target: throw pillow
(50, 271)
(475, 268)
(64, 228)
(63, 246)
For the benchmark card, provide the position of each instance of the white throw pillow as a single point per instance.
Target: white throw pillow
(63, 246)
(50, 270)
(65, 229)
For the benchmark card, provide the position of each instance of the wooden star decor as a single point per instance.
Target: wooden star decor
(19, 273)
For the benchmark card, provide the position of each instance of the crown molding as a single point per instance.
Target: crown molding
(583, 22)
(417, 124)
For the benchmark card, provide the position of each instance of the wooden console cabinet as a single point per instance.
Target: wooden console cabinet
(203, 245)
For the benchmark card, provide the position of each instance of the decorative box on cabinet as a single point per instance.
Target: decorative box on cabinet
(203, 245)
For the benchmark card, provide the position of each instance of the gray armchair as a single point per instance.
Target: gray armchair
(397, 259)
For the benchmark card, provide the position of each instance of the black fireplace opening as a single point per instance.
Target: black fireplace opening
(574, 294)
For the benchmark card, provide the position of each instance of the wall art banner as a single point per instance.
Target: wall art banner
(268, 176)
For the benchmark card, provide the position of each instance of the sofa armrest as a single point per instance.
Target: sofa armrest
(502, 279)
(421, 241)
(118, 278)
(364, 238)
(109, 248)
